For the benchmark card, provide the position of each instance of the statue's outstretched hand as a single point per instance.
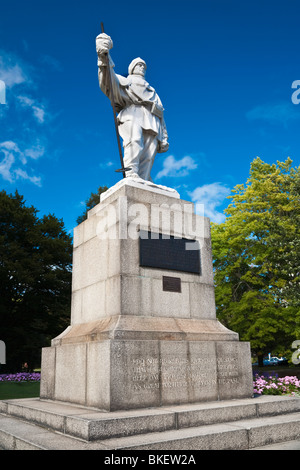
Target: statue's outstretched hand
(103, 43)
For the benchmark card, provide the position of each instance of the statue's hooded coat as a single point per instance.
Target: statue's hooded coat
(135, 100)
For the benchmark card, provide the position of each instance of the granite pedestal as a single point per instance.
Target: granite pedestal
(143, 330)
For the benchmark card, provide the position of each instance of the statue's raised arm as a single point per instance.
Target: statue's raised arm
(141, 119)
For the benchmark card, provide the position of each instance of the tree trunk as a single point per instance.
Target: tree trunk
(260, 358)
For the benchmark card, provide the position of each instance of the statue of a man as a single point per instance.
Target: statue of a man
(140, 112)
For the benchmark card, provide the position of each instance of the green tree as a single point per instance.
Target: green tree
(35, 280)
(91, 202)
(256, 255)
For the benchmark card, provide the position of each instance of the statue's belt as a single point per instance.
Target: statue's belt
(155, 109)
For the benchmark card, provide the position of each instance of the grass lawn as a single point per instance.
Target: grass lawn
(10, 390)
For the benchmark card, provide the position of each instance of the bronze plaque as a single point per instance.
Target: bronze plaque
(168, 252)
(171, 284)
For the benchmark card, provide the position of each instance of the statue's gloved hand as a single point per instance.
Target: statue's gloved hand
(103, 44)
(163, 146)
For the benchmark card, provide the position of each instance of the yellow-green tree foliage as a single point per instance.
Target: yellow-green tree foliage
(256, 255)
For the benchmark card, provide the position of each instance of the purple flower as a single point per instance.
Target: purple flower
(21, 377)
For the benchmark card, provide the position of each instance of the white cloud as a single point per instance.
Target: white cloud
(10, 169)
(39, 113)
(5, 166)
(13, 71)
(10, 72)
(107, 164)
(12, 75)
(23, 121)
(10, 150)
(176, 168)
(38, 110)
(9, 145)
(211, 196)
(25, 100)
(22, 174)
(35, 152)
(280, 113)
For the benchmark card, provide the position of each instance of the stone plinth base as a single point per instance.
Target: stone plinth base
(120, 374)
(143, 330)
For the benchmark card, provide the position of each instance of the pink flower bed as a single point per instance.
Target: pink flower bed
(288, 385)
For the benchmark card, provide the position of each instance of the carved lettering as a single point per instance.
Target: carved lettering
(171, 372)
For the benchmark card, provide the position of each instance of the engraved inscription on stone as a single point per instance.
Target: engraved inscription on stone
(171, 284)
(167, 252)
(177, 372)
(228, 370)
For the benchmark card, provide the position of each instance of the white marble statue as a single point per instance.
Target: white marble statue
(140, 112)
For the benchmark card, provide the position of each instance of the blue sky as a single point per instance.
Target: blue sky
(223, 69)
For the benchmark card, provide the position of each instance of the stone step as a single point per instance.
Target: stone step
(286, 445)
(90, 424)
(234, 424)
(237, 435)
(16, 434)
